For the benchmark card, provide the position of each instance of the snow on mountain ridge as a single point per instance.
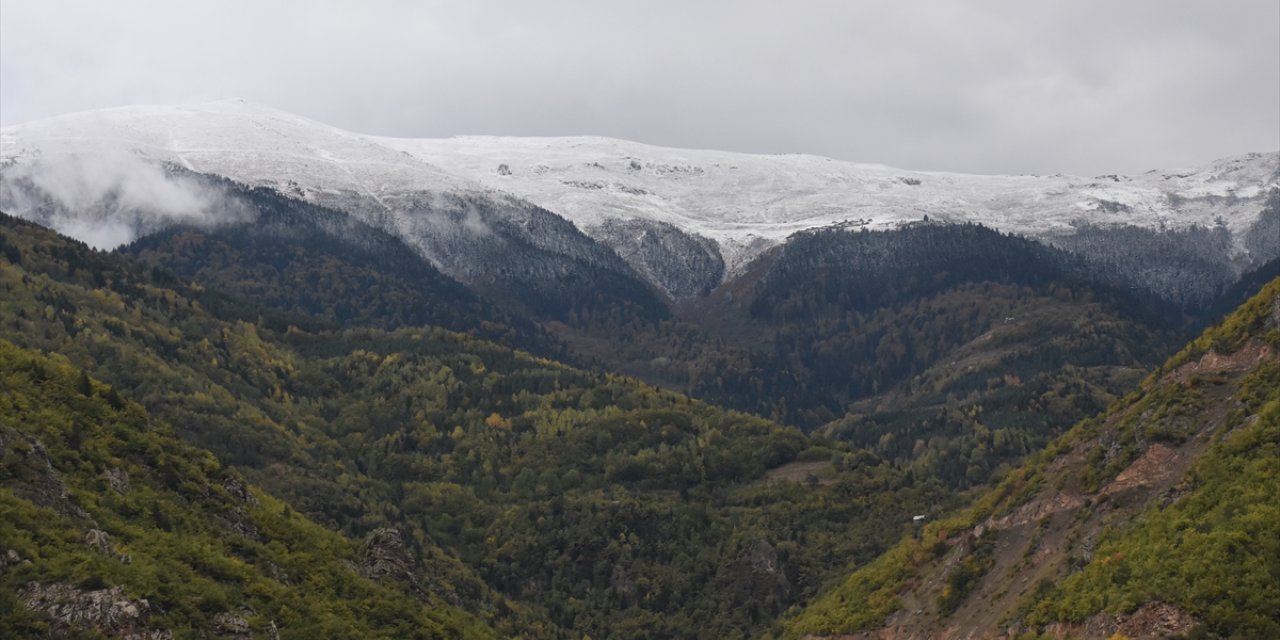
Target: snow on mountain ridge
(250, 144)
(735, 198)
(743, 202)
(246, 142)
(89, 175)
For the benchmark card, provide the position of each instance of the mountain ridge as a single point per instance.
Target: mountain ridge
(1153, 519)
(742, 203)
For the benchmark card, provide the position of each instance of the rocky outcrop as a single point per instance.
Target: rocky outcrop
(12, 558)
(277, 573)
(233, 626)
(760, 573)
(1113, 472)
(1151, 621)
(1157, 466)
(1034, 511)
(762, 558)
(237, 521)
(99, 541)
(118, 480)
(239, 491)
(384, 557)
(33, 477)
(1246, 358)
(108, 611)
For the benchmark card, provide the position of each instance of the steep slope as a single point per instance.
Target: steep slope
(301, 258)
(1242, 290)
(866, 311)
(893, 330)
(546, 501)
(112, 526)
(682, 264)
(973, 344)
(805, 360)
(1159, 517)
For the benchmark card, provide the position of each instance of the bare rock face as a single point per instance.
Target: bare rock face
(12, 558)
(763, 558)
(761, 561)
(118, 480)
(237, 521)
(34, 476)
(1154, 466)
(1156, 620)
(99, 541)
(235, 517)
(1253, 352)
(239, 491)
(277, 573)
(107, 611)
(233, 626)
(385, 557)
(1151, 621)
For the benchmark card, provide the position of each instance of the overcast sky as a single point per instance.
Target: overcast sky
(1015, 86)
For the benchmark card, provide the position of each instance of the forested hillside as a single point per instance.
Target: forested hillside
(835, 328)
(951, 350)
(302, 258)
(1158, 518)
(549, 501)
(607, 321)
(113, 527)
(545, 500)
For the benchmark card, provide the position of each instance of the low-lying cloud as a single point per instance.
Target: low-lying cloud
(110, 199)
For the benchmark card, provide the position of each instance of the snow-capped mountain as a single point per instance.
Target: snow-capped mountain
(83, 173)
(746, 201)
(241, 140)
(680, 218)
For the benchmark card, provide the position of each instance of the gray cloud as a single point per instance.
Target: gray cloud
(107, 200)
(993, 86)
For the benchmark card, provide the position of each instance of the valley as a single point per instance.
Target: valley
(371, 387)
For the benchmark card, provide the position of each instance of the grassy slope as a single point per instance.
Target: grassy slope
(198, 543)
(1169, 496)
